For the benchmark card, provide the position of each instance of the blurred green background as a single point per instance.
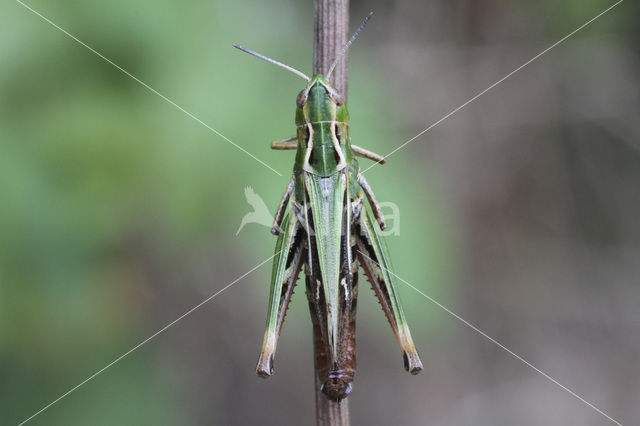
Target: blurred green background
(118, 212)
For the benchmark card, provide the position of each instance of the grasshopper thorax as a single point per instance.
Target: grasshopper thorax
(322, 120)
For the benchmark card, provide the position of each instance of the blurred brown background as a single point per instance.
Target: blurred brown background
(118, 212)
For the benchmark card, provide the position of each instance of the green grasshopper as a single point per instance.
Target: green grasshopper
(322, 222)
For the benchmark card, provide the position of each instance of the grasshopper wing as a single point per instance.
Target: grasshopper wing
(326, 199)
(286, 267)
(374, 258)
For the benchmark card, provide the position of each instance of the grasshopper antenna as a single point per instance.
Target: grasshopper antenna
(351, 40)
(274, 62)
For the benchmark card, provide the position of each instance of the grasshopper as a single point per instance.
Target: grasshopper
(324, 224)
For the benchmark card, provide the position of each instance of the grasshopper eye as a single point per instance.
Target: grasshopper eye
(302, 98)
(335, 96)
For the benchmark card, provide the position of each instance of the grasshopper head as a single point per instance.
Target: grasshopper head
(319, 86)
(319, 101)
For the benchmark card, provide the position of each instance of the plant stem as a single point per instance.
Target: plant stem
(330, 34)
